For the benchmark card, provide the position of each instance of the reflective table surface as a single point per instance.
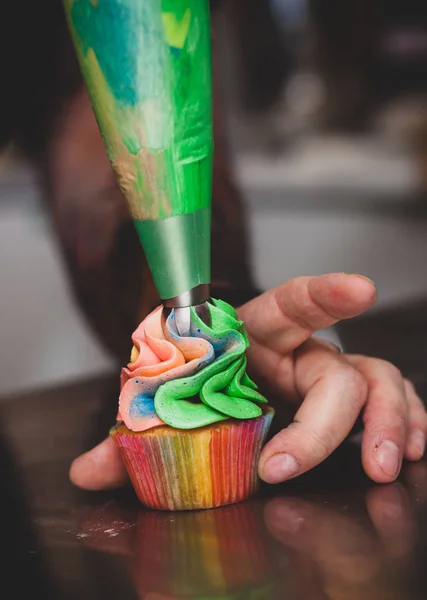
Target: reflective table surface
(328, 535)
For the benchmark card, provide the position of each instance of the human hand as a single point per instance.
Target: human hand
(328, 390)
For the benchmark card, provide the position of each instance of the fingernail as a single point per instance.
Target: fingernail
(280, 467)
(360, 277)
(417, 441)
(387, 456)
(365, 278)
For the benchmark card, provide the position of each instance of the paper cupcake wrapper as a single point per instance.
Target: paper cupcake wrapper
(175, 469)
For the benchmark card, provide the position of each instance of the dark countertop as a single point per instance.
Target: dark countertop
(328, 535)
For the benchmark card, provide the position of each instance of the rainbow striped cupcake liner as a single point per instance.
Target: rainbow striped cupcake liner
(176, 469)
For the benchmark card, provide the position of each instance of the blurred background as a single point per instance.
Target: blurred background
(324, 112)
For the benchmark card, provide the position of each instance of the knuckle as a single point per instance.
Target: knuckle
(356, 381)
(390, 369)
(385, 423)
(401, 420)
(320, 446)
(316, 446)
(355, 386)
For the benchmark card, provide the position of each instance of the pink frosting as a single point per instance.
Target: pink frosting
(160, 358)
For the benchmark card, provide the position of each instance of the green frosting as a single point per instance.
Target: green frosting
(220, 390)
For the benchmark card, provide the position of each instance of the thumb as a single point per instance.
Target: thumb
(99, 469)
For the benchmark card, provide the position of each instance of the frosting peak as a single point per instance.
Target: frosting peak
(188, 382)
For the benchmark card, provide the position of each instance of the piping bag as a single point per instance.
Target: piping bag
(147, 68)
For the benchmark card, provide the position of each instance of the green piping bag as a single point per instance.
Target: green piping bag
(147, 67)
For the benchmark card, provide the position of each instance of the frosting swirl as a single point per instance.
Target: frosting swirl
(188, 382)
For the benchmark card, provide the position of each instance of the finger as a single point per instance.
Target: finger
(417, 424)
(389, 509)
(334, 394)
(282, 383)
(283, 318)
(99, 469)
(385, 418)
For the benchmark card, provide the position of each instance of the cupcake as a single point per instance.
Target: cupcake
(191, 423)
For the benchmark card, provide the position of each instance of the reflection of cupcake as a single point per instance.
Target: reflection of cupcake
(193, 423)
(214, 555)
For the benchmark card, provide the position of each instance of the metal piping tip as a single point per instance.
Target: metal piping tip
(183, 317)
(195, 298)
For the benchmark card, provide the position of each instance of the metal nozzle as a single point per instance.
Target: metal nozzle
(195, 298)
